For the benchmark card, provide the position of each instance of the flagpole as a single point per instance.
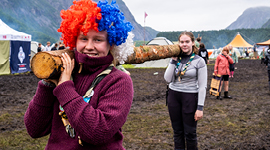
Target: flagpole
(144, 30)
(144, 35)
(145, 15)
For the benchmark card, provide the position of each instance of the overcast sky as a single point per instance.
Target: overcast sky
(190, 15)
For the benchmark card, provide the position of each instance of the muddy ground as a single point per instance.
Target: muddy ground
(240, 123)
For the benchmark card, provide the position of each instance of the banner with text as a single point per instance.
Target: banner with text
(20, 56)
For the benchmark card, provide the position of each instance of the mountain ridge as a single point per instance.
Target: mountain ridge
(30, 16)
(254, 17)
(42, 18)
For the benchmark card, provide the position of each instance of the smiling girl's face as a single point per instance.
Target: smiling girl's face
(94, 44)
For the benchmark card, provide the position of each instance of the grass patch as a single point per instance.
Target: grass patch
(14, 140)
(128, 66)
(5, 117)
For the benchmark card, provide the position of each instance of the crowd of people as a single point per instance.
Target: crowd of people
(48, 47)
(88, 105)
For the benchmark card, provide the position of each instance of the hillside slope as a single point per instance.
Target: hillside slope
(41, 18)
(254, 17)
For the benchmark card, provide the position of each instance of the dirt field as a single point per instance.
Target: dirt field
(240, 123)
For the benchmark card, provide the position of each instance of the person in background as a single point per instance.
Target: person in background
(47, 47)
(39, 49)
(55, 47)
(267, 62)
(222, 68)
(198, 41)
(246, 51)
(255, 52)
(204, 53)
(233, 55)
(262, 56)
(75, 114)
(61, 46)
(187, 78)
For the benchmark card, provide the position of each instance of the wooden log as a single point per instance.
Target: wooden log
(152, 52)
(48, 65)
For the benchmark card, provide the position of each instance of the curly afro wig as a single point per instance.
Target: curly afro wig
(81, 16)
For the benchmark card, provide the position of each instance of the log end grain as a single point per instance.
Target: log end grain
(44, 65)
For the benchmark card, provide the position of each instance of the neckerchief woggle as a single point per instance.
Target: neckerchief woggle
(178, 71)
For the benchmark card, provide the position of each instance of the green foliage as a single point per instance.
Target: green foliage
(15, 16)
(39, 36)
(128, 66)
(222, 38)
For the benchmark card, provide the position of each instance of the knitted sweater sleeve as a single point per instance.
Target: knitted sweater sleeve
(38, 115)
(98, 125)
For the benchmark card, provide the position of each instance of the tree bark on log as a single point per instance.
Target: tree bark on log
(154, 52)
(48, 65)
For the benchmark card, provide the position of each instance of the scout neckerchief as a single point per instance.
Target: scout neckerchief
(178, 71)
(86, 98)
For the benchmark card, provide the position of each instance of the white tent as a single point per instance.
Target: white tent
(7, 33)
(160, 41)
(14, 50)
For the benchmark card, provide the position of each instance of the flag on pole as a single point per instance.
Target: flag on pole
(145, 15)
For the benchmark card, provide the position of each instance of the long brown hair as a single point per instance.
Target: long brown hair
(190, 34)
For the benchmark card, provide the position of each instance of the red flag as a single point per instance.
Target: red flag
(145, 15)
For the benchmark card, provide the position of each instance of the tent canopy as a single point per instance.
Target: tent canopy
(14, 50)
(7, 33)
(266, 43)
(160, 41)
(238, 41)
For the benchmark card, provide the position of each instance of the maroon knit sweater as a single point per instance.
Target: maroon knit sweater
(97, 123)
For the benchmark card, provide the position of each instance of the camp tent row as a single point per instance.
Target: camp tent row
(237, 42)
(14, 50)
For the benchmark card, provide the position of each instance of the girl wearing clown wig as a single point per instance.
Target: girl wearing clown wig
(74, 116)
